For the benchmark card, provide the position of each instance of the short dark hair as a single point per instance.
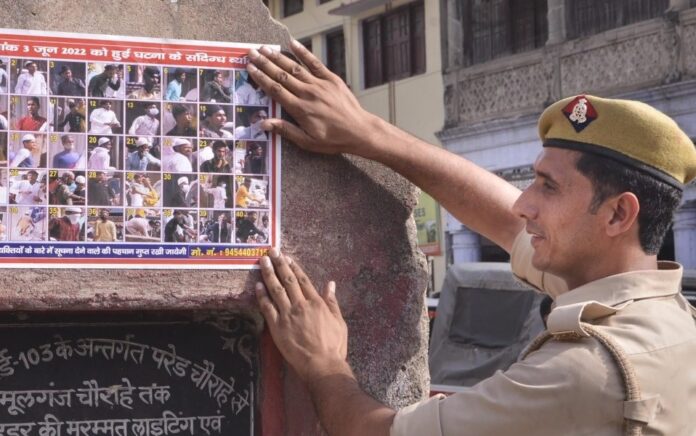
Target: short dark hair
(151, 71)
(658, 200)
(179, 109)
(219, 144)
(36, 101)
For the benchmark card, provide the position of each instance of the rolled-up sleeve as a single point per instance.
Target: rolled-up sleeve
(419, 419)
(538, 396)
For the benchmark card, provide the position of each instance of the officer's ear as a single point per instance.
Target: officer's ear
(622, 213)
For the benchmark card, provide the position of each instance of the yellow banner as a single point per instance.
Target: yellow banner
(427, 216)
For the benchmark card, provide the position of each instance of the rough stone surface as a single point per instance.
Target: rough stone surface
(344, 219)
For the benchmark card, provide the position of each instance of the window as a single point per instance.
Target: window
(495, 28)
(292, 7)
(307, 42)
(587, 17)
(336, 53)
(394, 45)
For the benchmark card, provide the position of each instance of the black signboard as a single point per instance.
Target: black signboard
(116, 378)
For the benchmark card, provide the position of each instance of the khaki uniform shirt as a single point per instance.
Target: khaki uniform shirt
(575, 388)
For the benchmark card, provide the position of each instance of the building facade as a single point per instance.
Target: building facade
(389, 54)
(504, 61)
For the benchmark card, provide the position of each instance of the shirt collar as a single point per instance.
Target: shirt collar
(629, 286)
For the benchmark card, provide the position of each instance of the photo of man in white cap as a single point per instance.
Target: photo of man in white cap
(31, 81)
(139, 159)
(180, 160)
(24, 158)
(100, 157)
(179, 191)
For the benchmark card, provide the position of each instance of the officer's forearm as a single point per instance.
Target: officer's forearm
(343, 408)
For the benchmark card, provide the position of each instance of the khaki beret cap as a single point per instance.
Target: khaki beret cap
(627, 131)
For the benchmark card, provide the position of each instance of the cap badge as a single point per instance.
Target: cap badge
(580, 113)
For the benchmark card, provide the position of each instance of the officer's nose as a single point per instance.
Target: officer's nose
(524, 207)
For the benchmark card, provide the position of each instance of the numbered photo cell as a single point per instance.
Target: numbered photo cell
(216, 121)
(179, 190)
(180, 225)
(105, 152)
(182, 84)
(28, 223)
(177, 154)
(143, 189)
(216, 191)
(67, 115)
(143, 82)
(67, 78)
(247, 91)
(143, 225)
(67, 151)
(252, 226)
(27, 187)
(67, 188)
(143, 118)
(4, 186)
(3, 149)
(28, 113)
(104, 188)
(28, 76)
(216, 86)
(216, 156)
(4, 112)
(179, 119)
(27, 150)
(4, 223)
(4, 75)
(143, 153)
(67, 224)
(105, 80)
(104, 225)
(251, 157)
(251, 192)
(248, 123)
(215, 226)
(105, 117)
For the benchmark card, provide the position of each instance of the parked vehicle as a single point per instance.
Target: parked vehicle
(485, 317)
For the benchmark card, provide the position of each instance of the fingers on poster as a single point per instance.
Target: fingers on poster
(137, 151)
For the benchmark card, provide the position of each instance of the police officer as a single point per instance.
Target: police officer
(618, 354)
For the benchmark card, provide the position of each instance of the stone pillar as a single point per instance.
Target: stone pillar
(557, 24)
(684, 228)
(465, 243)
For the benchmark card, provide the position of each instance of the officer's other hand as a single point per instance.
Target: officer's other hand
(307, 327)
(329, 116)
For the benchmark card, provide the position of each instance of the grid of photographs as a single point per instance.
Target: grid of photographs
(133, 153)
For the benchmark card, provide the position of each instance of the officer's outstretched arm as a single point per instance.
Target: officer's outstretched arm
(331, 120)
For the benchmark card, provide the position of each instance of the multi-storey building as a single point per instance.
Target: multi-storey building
(504, 61)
